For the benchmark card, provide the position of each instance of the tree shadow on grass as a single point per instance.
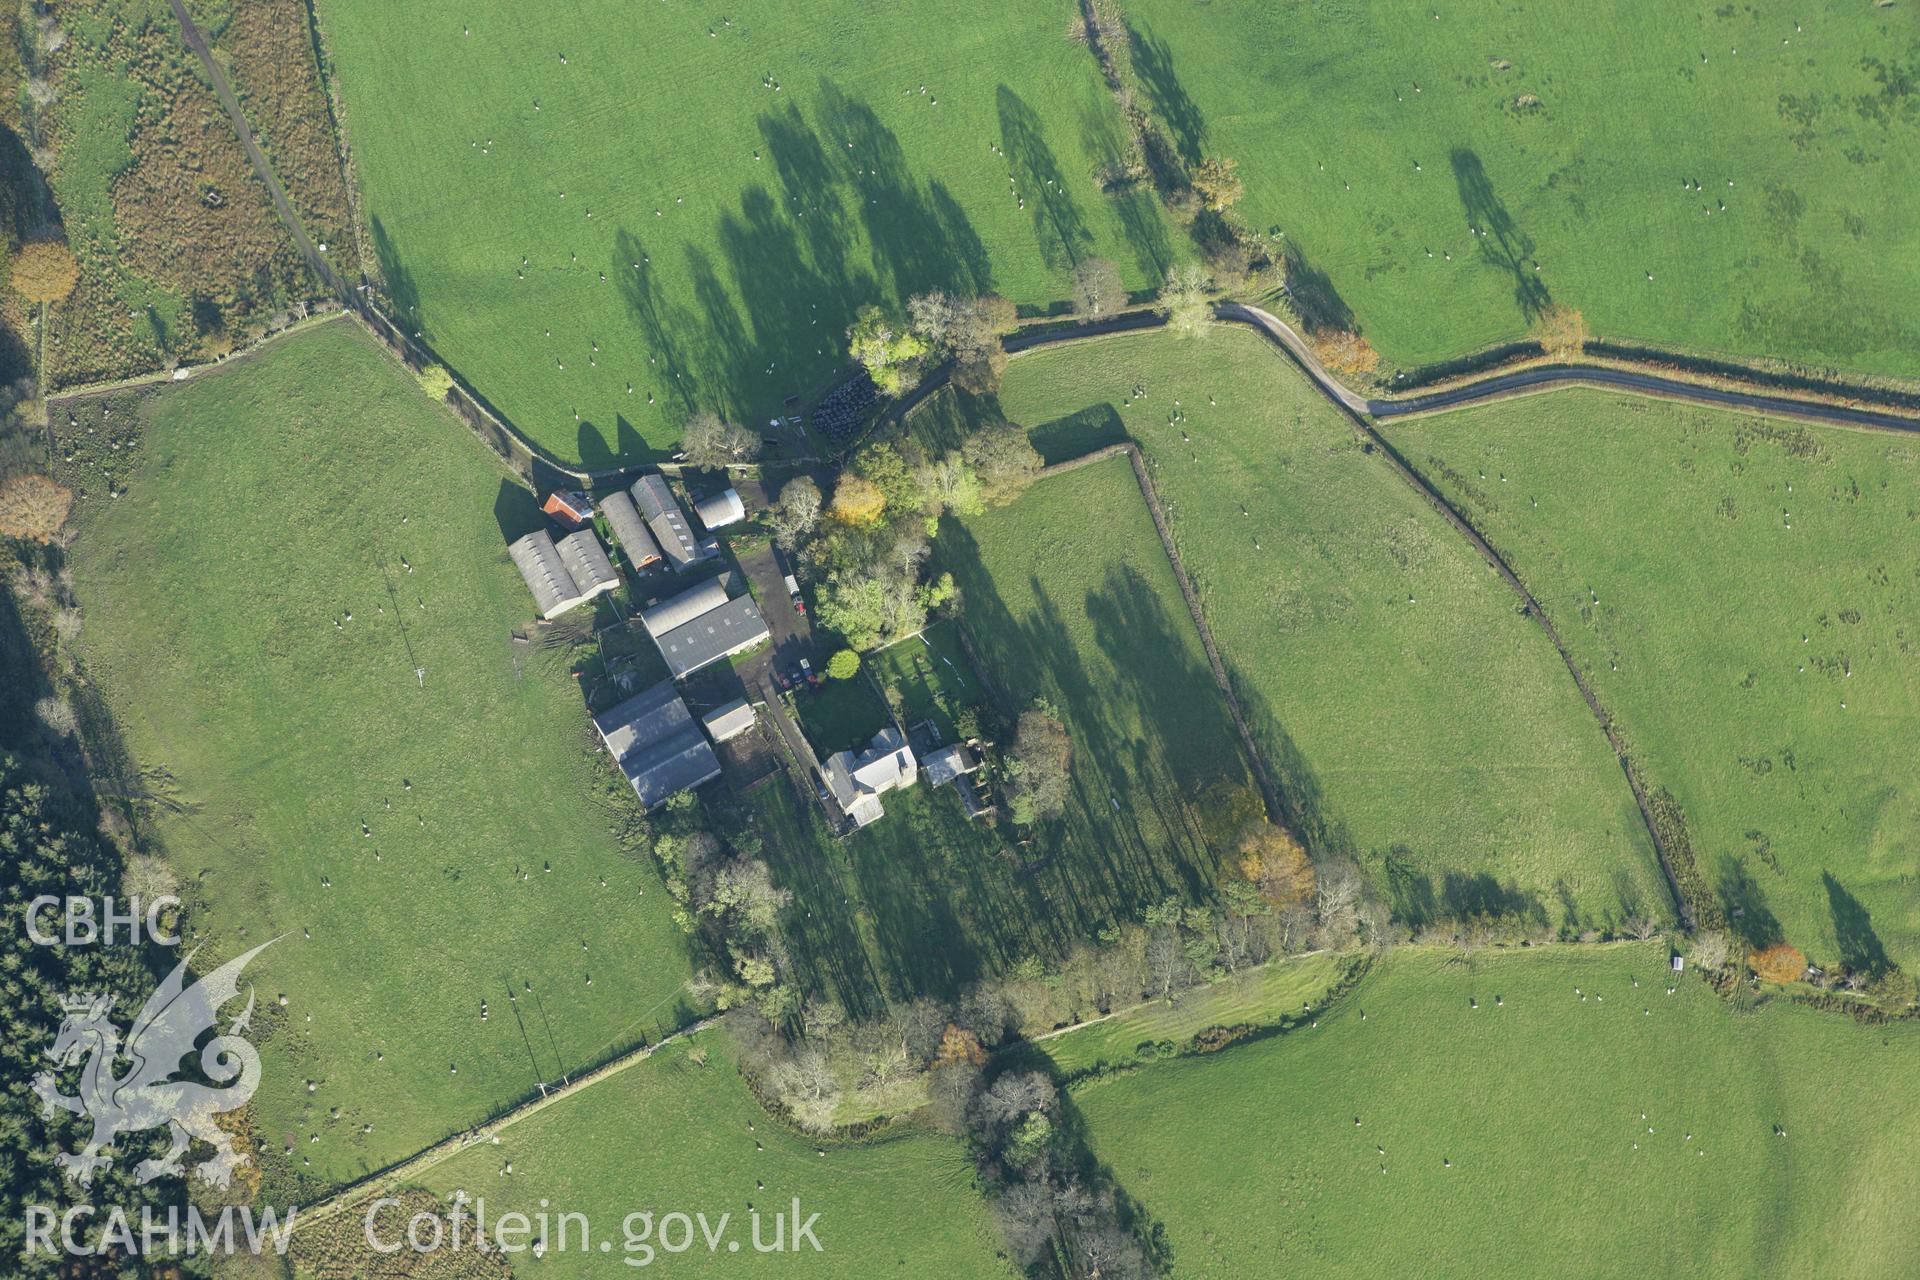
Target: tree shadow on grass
(1134, 203)
(1058, 226)
(766, 312)
(401, 288)
(1745, 906)
(1860, 948)
(516, 511)
(1153, 63)
(1078, 434)
(1319, 304)
(1502, 243)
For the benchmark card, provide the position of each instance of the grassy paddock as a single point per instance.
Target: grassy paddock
(1743, 594)
(1373, 134)
(1263, 997)
(1513, 1131)
(1411, 714)
(266, 503)
(768, 172)
(680, 1133)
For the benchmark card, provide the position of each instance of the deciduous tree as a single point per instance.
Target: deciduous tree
(1778, 963)
(44, 271)
(1041, 761)
(33, 507)
(1561, 331)
(711, 442)
(1277, 864)
(891, 353)
(1004, 461)
(1184, 300)
(796, 513)
(1097, 290)
(858, 502)
(1218, 185)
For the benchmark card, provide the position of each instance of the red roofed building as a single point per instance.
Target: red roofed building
(569, 508)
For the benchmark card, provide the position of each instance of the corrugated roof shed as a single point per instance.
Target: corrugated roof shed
(685, 607)
(587, 561)
(729, 721)
(713, 635)
(674, 766)
(546, 574)
(630, 530)
(718, 510)
(663, 515)
(644, 718)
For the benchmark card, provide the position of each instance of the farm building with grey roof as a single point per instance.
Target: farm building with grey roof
(714, 634)
(629, 530)
(662, 512)
(565, 574)
(658, 746)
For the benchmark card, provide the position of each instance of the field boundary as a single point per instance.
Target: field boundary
(1268, 792)
(1291, 344)
(412, 1166)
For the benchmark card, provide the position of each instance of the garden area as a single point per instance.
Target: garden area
(1083, 615)
(343, 747)
(1743, 595)
(933, 678)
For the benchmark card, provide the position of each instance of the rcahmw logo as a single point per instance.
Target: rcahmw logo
(146, 1095)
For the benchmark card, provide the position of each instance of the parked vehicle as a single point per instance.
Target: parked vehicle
(793, 592)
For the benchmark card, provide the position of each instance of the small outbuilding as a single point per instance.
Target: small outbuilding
(569, 507)
(729, 721)
(718, 510)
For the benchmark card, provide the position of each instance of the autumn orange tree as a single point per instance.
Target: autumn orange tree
(1277, 864)
(857, 502)
(1778, 963)
(1345, 352)
(44, 271)
(957, 1044)
(33, 507)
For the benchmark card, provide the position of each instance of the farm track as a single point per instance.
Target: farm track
(405, 1171)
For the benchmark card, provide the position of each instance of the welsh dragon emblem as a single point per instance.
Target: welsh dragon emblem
(147, 1096)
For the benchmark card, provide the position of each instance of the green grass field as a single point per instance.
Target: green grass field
(672, 1135)
(1067, 594)
(1252, 1158)
(1409, 712)
(1372, 134)
(1261, 997)
(751, 180)
(1744, 595)
(266, 503)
